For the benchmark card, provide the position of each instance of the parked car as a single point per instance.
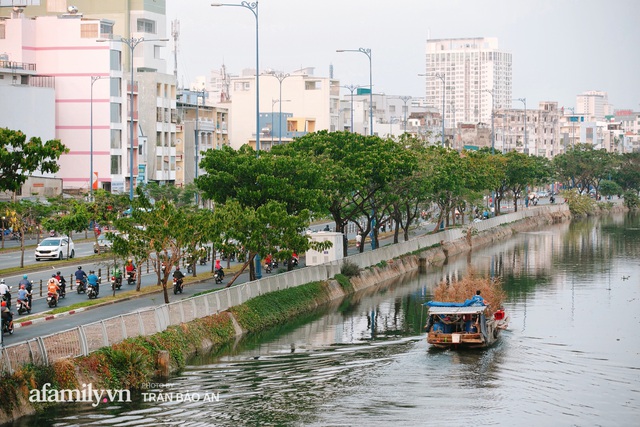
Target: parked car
(542, 194)
(55, 248)
(104, 243)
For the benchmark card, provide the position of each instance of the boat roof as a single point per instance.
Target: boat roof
(457, 310)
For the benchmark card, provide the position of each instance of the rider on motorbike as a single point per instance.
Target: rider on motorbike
(92, 279)
(130, 268)
(218, 269)
(4, 293)
(117, 273)
(23, 296)
(53, 287)
(81, 275)
(63, 283)
(6, 315)
(178, 276)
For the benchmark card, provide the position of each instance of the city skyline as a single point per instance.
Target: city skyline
(560, 48)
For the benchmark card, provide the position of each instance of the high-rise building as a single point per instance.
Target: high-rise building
(154, 92)
(593, 104)
(471, 75)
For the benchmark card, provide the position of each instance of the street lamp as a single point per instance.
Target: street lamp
(253, 7)
(573, 123)
(442, 77)
(405, 99)
(280, 77)
(351, 89)
(273, 102)
(93, 80)
(367, 52)
(493, 135)
(197, 136)
(132, 43)
(3, 218)
(526, 145)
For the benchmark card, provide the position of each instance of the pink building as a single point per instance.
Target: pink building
(90, 96)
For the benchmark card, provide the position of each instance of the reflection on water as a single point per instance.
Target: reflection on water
(570, 356)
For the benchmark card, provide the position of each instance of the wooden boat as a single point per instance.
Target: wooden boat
(464, 326)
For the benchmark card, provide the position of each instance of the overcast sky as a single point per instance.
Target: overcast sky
(560, 47)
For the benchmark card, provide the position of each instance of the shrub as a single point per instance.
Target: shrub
(344, 282)
(631, 199)
(350, 269)
(579, 204)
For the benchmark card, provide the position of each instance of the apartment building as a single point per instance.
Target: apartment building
(201, 127)
(291, 104)
(594, 105)
(468, 78)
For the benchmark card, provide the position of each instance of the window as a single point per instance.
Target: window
(146, 26)
(116, 138)
(2, 33)
(106, 29)
(116, 163)
(115, 86)
(89, 31)
(116, 112)
(241, 86)
(115, 60)
(156, 52)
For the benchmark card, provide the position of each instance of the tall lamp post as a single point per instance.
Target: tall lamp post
(405, 99)
(132, 42)
(351, 89)
(526, 145)
(442, 76)
(573, 123)
(197, 135)
(493, 135)
(253, 7)
(367, 52)
(93, 80)
(280, 77)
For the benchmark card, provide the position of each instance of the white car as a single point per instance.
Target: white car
(55, 248)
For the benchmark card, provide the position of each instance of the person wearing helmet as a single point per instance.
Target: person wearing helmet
(6, 314)
(53, 287)
(25, 281)
(63, 284)
(92, 279)
(81, 275)
(23, 296)
(5, 295)
(130, 269)
(178, 274)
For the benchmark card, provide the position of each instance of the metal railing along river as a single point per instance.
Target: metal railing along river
(82, 340)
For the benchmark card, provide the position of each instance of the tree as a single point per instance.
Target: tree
(152, 232)
(26, 216)
(105, 208)
(283, 185)
(19, 158)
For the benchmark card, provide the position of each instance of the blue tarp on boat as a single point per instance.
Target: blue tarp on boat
(473, 302)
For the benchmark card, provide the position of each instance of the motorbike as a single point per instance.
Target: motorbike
(91, 292)
(203, 261)
(52, 299)
(131, 277)
(270, 266)
(7, 327)
(116, 282)
(177, 285)
(22, 307)
(294, 262)
(218, 276)
(7, 297)
(81, 286)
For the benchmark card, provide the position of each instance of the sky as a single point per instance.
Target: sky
(560, 48)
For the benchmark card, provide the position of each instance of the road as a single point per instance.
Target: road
(62, 322)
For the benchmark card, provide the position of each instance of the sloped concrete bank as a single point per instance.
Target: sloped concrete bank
(177, 343)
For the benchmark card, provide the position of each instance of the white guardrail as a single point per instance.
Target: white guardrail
(82, 340)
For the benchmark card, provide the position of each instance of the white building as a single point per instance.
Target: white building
(308, 104)
(471, 75)
(593, 104)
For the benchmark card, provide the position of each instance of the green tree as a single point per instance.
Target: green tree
(19, 158)
(26, 216)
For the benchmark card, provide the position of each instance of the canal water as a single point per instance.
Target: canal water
(569, 358)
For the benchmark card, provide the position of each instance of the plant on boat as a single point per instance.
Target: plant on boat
(459, 290)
